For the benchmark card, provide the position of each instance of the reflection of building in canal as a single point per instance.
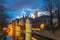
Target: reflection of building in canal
(22, 29)
(10, 29)
(21, 26)
(28, 30)
(16, 29)
(19, 29)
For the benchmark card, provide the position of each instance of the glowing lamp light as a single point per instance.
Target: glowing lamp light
(55, 25)
(42, 26)
(34, 38)
(6, 29)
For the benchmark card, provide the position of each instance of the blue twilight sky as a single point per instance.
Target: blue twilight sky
(20, 7)
(19, 4)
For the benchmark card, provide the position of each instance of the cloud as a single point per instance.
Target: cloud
(31, 15)
(29, 9)
(23, 12)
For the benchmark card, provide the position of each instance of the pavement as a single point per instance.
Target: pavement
(55, 36)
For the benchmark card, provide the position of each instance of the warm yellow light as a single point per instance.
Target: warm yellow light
(55, 25)
(17, 31)
(10, 27)
(34, 38)
(36, 29)
(4, 29)
(42, 26)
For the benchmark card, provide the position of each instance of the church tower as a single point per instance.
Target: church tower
(36, 14)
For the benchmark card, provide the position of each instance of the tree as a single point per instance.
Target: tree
(57, 5)
(49, 6)
(3, 20)
(3, 17)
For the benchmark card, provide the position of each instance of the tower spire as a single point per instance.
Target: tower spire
(36, 14)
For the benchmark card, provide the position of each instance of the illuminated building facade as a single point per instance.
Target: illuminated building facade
(28, 30)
